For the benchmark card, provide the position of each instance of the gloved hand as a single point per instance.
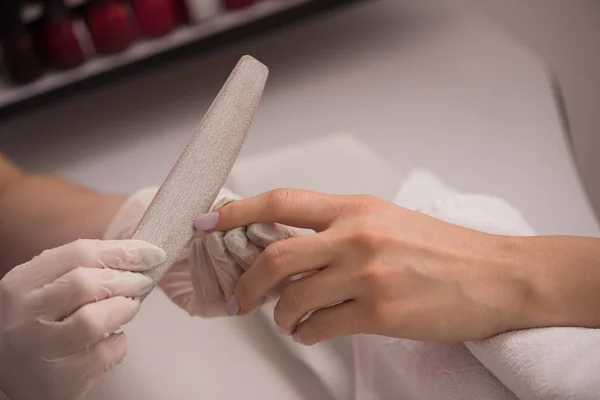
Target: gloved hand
(204, 277)
(59, 313)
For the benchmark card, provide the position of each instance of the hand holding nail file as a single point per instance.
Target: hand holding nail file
(194, 182)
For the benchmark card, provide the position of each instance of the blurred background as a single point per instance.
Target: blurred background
(60, 51)
(494, 96)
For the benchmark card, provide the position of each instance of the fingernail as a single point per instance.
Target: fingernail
(137, 255)
(283, 331)
(207, 222)
(232, 307)
(296, 338)
(136, 305)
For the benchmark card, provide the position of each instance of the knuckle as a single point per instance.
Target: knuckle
(365, 202)
(377, 314)
(278, 200)
(109, 352)
(81, 282)
(365, 236)
(89, 322)
(274, 259)
(372, 274)
(290, 301)
(315, 330)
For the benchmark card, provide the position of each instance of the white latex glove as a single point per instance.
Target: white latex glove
(59, 313)
(203, 279)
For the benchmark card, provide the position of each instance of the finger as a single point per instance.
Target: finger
(82, 286)
(130, 255)
(298, 298)
(244, 251)
(106, 354)
(83, 368)
(338, 320)
(88, 325)
(300, 208)
(101, 357)
(209, 299)
(279, 261)
(226, 267)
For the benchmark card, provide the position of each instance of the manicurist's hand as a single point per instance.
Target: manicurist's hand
(59, 314)
(375, 268)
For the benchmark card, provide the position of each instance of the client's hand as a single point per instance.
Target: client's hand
(374, 268)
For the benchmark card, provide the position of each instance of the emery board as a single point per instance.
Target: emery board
(202, 168)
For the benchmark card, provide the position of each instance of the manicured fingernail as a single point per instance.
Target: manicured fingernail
(296, 338)
(232, 307)
(285, 332)
(207, 222)
(136, 305)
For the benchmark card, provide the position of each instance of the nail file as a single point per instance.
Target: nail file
(202, 168)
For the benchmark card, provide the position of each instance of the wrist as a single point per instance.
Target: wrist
(511, 288)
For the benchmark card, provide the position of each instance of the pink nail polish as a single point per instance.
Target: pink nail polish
(232, 307)
(207, 222)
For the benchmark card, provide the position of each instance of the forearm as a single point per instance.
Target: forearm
(562, 276)
(39, 212)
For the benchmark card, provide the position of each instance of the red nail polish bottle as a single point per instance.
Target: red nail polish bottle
(111, 25)
(63, 36)
(155, 17)
(19, 51)
(203, 10)
(238, 4)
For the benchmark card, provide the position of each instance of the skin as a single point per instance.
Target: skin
(377, 268)
(39, 212)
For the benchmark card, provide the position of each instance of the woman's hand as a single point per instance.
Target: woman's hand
(375, 268)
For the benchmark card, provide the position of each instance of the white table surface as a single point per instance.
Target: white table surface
(424, 83)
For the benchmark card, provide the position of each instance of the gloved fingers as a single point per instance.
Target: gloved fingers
(263, 234)
(82, 286)
(124, 223)
(302, 296)
(131, 255)
(73, 376)
(209, 297)
(241, 249)
(226, 268)
(97, 360)
(177, 284)
(89, 325)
